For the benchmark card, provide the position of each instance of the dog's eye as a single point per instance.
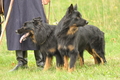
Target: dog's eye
(23, 27)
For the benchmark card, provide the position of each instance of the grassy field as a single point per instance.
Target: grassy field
(104, 14)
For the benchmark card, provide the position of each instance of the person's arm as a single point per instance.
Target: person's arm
(45, 2)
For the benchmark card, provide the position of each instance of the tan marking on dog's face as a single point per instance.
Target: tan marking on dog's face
(71, 47)
(52, 50)
(72, 29)
(33, 36)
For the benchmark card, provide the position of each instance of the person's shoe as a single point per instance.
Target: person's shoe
(21, 57)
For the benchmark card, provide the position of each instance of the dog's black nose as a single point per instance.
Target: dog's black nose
(87, 22)
(16, 31)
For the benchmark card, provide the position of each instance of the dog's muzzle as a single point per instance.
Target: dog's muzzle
(16, 31)
(86, 22)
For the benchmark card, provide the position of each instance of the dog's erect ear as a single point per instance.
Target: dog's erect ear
(24, 24)
(38, 18)
(35, 22)
(75, 7)
(70, 9)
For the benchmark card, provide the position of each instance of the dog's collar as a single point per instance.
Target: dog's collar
(43, 41)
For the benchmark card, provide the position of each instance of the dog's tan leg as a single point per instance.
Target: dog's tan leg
(48, 63)
(95, 58)
(94, 55)
(71, 69)
(81, 60)
(102, 61)
(65, 63)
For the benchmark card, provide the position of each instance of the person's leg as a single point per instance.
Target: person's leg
(25, 59)
(21, 57)
(0, 27)
(40, 58)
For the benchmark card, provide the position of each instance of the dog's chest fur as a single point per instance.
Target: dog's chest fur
(72, 30)
(48, 38)
(68, 38)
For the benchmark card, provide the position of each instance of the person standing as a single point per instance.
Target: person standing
(22, 11)
(0, 26)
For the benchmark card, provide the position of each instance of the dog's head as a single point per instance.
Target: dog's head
(74, 17)
(29, 26)
(34, 27)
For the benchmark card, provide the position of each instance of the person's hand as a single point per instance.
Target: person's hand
(23, 38)
(45, 2)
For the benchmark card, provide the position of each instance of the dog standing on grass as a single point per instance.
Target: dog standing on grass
(43, 34)
(74, 36)
(70, 37)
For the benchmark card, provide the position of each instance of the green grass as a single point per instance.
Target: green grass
(101, 13)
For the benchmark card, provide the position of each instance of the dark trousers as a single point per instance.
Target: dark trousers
(0, 27)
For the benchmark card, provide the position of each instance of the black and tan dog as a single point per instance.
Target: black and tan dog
(43, 34)
(73, 39)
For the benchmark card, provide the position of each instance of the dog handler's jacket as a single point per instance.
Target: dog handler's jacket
(22, 11)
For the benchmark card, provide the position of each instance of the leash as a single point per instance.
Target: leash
(56, 22)
(49, 9)
(7, 18)
(47, 17)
